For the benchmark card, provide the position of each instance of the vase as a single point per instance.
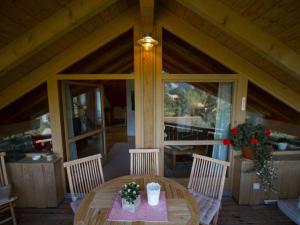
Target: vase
(131, 207)
(247, 153)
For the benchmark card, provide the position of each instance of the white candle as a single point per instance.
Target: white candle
(153, 192)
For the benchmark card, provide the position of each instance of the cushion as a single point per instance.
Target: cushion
(75, 204)
(208, 207)
(5, 192)
(290, 209)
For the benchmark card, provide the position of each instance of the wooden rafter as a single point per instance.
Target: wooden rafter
(147, 15)
(49, 30)
(247, 33)
(103, 35)
(199, 40)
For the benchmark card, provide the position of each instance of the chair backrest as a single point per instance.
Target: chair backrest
(208, 176)
(3, 174)
(84, 175)
(144, 161)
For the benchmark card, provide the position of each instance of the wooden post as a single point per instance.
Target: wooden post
(148, 75)
(56, 121)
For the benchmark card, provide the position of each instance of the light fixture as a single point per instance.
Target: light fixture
(147, 42)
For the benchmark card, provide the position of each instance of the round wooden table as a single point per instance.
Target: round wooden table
(94, 209)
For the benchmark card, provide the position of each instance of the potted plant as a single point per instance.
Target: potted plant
(248, 137)
(252, 140)
(130, 195)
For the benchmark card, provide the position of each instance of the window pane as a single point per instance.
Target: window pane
(25, 122)
(263, 108)
(197, 111)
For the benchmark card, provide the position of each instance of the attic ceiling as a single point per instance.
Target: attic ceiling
(279, 18)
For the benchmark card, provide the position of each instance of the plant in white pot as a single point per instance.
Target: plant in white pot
(130, 195)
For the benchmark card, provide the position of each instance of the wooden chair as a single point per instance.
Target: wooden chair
(84, 175)
(206, 184)
(6, 205)
(144, 161)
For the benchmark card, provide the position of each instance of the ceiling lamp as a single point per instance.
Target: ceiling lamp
(147, 42)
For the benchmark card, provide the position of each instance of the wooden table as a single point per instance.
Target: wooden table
(182, 207)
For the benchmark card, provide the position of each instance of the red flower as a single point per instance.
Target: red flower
(234, 131)
(253, 141)
(268, 132)
(226, 141)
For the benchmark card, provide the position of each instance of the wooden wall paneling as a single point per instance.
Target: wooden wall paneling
(286, 185)
(49, 30)
(37, 184)
(103, 35)
(214, 49)
(247, 33)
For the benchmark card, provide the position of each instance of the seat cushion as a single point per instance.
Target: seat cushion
(290, 209)
(208, 207)
(75, 204)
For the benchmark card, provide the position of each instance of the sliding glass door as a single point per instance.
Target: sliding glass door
(197, 117)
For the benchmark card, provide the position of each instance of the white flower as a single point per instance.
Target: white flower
(134, 192)
(137, 186)
(128, 190)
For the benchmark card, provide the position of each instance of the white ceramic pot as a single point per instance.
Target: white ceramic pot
(129, 206)
(153, 192)
(282, 146)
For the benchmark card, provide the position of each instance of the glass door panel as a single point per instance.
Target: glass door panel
(197, 117)
(83, 112)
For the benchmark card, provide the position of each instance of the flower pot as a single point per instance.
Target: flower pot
(247, 153)
(282, 146)
(131, 207)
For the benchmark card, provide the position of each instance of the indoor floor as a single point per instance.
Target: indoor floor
(230, 214)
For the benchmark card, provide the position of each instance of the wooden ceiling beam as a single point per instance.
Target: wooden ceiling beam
(147, 15)
(103, 35)
(47, 31)
(210, 46)
(247, 33)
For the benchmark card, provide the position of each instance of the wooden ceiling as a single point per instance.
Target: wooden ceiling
(114, 57)
(181, 57)
(26, 108)
(58, 46)
(279, 18)
(230, 42)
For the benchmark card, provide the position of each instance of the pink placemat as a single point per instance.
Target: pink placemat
(145, 212)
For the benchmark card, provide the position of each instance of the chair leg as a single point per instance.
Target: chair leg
(215, 220)
(12, 211)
